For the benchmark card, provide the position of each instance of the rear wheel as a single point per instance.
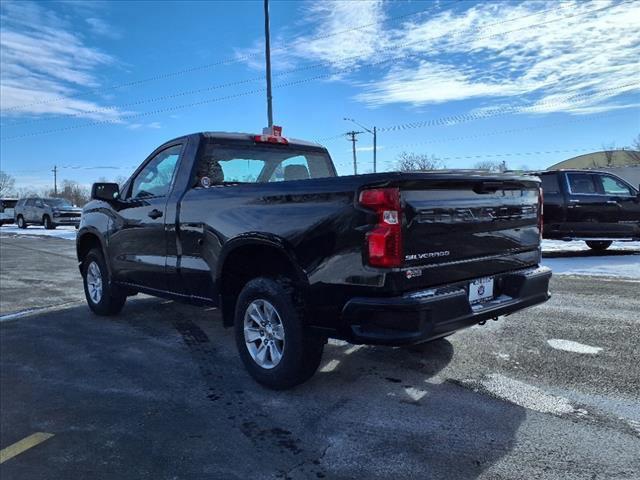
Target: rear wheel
(598, 245)
(48, 224)
(274, 345)
(102, 297)
(21, 222)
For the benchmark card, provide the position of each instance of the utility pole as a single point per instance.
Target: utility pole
(267, 51)
(373, 132)
(55, 180)
(353, 140)
(375, 150)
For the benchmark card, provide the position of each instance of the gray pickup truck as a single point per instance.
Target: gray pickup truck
(49, 212)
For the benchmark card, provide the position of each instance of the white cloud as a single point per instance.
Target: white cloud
(595, 54)
(137, 126)
(44, 62)
(335, 40)
(100, 27)
(536, 52)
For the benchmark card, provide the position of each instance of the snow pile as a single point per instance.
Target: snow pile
(64, 232)
(620, 266)
(549, 246)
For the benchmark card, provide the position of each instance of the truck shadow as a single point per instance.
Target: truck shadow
(159, 390)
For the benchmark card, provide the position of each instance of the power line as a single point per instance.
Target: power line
(227, 61)
(501, 132)
(251, 92)
(503, 154)
(506, 110)
(392, 48)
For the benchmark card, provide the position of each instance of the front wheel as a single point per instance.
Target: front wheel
(274, 345)
(102, 297)
(598, 246)
(48, 224)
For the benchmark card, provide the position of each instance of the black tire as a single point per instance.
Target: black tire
(21, 223)
(301, 349)
(598, 246)
(110, 301)
(48, 224)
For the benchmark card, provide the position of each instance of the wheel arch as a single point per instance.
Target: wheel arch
(250, 257)
(88, 240)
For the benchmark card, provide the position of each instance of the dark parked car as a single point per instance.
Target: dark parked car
(597, 207)
(262, 228)
(49, 212)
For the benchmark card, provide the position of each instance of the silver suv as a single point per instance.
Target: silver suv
(49, 212)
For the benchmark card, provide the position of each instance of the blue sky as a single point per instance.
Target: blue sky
(93, 87)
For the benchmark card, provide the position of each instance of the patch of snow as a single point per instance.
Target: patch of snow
(570, 346)
(580, 246)
(525, 395)
(619, 266)
(64, 232)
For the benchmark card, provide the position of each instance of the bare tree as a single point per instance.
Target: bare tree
(6, 183)
(609, 151)
(411, 162)
(491, 165)
(24, 192)
(72, 191)
(634, 149)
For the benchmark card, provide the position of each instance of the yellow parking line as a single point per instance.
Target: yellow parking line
(23, 445)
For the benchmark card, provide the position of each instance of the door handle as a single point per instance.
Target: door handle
(155, 213)
(612, 202)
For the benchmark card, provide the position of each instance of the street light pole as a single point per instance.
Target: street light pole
(373, 132)
(267, 51)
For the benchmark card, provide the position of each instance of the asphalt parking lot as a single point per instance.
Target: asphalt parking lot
(159, 392)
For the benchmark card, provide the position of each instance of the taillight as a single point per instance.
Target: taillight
(384, 242)
(270, 139)
(541, 212)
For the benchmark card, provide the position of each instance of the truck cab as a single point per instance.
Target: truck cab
(593, 206)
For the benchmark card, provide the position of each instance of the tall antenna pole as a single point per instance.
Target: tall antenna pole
(353, 140)
(267, 51)
(55, 180)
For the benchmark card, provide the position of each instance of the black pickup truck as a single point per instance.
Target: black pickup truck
(597, 207)
(261, 227)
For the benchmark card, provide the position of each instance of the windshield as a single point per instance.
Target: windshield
(258, 164)
(57, 202)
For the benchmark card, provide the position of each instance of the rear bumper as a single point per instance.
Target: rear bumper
(426, 315)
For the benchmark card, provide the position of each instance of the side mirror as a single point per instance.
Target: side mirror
(105, 191)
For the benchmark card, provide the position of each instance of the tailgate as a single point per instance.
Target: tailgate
(458, 228)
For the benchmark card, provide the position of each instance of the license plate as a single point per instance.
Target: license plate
(480, 290)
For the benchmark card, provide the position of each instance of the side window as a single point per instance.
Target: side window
(294, 168)
(613, 186)
(581, 183)
(39, 203)
(154, 180)
(550, 183)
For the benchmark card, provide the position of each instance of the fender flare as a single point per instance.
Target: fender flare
(264, 240)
